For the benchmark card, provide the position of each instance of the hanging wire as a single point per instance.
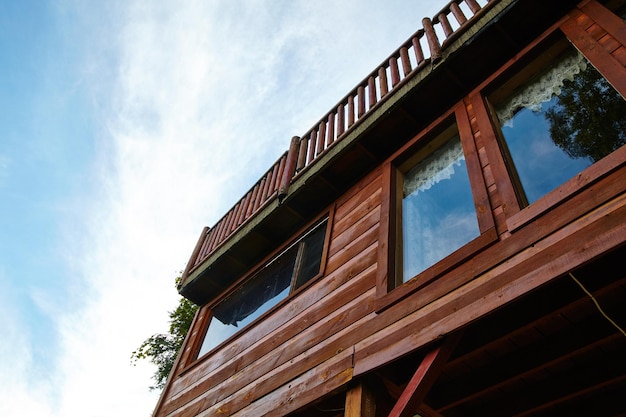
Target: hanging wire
(597, 304)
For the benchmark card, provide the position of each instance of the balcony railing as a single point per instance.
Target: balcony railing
(424, 47)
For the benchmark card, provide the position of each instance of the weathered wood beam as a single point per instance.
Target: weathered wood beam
(360, 402)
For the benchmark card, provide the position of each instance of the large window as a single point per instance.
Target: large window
(437, 214)
(281, 275)
(557, 116)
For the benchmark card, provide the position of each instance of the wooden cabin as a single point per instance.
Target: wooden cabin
(448, 240)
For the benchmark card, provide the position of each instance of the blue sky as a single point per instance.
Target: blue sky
(127, 126)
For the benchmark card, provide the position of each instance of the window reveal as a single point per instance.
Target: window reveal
(283, 274)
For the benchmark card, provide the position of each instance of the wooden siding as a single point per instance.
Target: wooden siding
(335, 330)
(309, 339)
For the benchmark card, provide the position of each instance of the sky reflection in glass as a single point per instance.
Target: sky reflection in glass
(438, 217)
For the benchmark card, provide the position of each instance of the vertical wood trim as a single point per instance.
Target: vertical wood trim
(385, 252)
(477, 181)
(360, 402)
(608, 20)
(609, 67)
(504, 186)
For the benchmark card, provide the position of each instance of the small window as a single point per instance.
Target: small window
(557, 117)
(284, 273)
(436, 212)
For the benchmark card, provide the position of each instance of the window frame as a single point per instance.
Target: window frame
(204, 312)
(516, 213)
(388, 289)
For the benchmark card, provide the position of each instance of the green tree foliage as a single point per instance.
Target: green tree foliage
(589, 120)
(161, 349)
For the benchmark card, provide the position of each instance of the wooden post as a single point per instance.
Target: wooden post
(290, 168)
(360, 402)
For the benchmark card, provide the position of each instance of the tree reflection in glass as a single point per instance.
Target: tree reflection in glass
(560, 122)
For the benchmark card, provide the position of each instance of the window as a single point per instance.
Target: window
(437, 214)
(296, 265)
(557, 116)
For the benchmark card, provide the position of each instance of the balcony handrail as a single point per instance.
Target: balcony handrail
(423, 47)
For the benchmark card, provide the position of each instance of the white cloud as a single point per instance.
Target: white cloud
(204, 98)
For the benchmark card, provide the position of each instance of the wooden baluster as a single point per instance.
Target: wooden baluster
(304, 143)
(204, 249)
(458, 13)
(250, 208)
(350, 110)
(417, 48)
(445, 24)
(433, 42)
(340, 119)
(474, 7)
(330, 134)
(393, 69)
(360, 101)
(371, 86)
(312, 146)
(382, 79)
(219, 232)
(321, 135)
(259, 196)
(290, 168)
(231, 220)
(406, 62)
(271, 181)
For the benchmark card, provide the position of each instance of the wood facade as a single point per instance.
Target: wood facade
(527, 318)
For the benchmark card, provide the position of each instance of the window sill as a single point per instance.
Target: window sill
(431, 274)
(567, 190)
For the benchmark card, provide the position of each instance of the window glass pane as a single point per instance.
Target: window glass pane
(560, 121)
(248, 302)
(438, 214)
(310, 258)
(290, 269)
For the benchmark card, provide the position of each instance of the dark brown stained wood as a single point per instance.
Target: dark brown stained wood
(611, 69)
(406, 62)
(458, 13)
(360, 101)
(290, 167)
(331, 129)
(473, 5)
(365, 206)
(312, 146)
(359, 242)
(342, 240)
(321, 136)
(382, 77)
(385, 235)
(357, 194)
(598, 232)
(393, 69)
(371, 89)
(350, 111)
(433, 42)
(341, 124)
(445, 24)
(417, 49)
